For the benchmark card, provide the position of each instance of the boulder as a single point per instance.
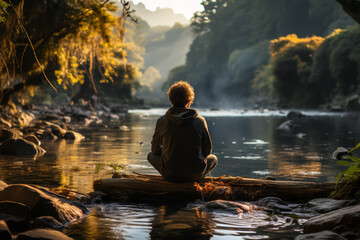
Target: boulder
(352, 103)
(16, 215)
(20, 147)
(5, 233)
(6, 134)
(295, 114)
(33, 139)
(42, 234)
(287, 126)
(324, 235)
(3, 185)
(5, 123)
(43, 202)
(340, 152)
(324, 205)
(57, 131)
(71, 135)
(228, 206)
(66, 119)
(46, 222)
(48, 135)
(348, 216)
(274, 203)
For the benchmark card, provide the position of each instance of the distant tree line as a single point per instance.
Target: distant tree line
(230, 60)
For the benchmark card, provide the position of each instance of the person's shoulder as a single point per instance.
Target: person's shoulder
(201, 118)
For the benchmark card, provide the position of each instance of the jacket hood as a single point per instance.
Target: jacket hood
(181, 116)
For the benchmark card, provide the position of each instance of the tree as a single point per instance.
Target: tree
(71, 39)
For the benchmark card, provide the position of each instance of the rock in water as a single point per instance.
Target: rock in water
(16, 215)
(287, 126)
(4, 231)
(295, 114)
(229, 206)
(46, 222)
(43, 203)
(42, 234)
(324, 205)
(3, 185)
(274, 203)
(6, 134)
(324, 235)
(20, 147)
(340, 152)
(33, 139)
(71, 135)
(349, 216)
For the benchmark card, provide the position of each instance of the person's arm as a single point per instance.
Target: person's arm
(206, 141)
(156, 140)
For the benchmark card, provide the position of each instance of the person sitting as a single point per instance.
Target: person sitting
(181, 145)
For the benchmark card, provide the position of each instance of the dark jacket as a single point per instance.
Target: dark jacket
(182, 140)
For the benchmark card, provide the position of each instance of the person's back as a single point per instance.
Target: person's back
(181, 145)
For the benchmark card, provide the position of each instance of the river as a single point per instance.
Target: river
(246, 143)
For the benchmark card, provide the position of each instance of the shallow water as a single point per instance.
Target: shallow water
(246, 143)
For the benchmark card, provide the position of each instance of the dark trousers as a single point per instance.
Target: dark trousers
(155, 160)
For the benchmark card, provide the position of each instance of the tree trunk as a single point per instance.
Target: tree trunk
(151, 188)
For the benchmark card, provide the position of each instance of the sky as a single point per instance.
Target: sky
(186, 7)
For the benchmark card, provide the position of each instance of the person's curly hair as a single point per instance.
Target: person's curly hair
(181, 94)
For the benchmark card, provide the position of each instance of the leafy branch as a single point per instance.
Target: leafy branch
(348, 178)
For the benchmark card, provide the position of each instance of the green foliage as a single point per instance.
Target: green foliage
(3, 10)
(336, 65)
(348, 177)
(227, 31)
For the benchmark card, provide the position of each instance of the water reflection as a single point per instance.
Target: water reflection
(179, 223)
(245, 146)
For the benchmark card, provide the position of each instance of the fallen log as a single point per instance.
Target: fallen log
(145, 188)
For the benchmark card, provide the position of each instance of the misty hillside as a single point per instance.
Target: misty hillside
(168, 49)
(159, 17)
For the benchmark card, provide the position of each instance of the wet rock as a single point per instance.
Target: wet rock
(46, 222)
(324, 235)
(20, 147)
(325, 205)
(295, 114)
(43, 202)
(228, 206)
(5, 233)
(119, 109)
(336, 109)
(3, 185)
(66, 119)
(353, 103)
(287, 126)
(71, 135)
(5, 123)
(57, 131)
(348, 216)
(274, 203)
(340, 152)
(6, 134)
(301, 135)
(16, 215)
(47, 135)
(42, 234)
(33, 139)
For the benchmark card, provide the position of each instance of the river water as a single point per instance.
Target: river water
(246, 143)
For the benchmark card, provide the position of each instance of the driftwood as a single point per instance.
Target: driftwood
(144, 188)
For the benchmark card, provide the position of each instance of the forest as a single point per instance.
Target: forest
(292, 53)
